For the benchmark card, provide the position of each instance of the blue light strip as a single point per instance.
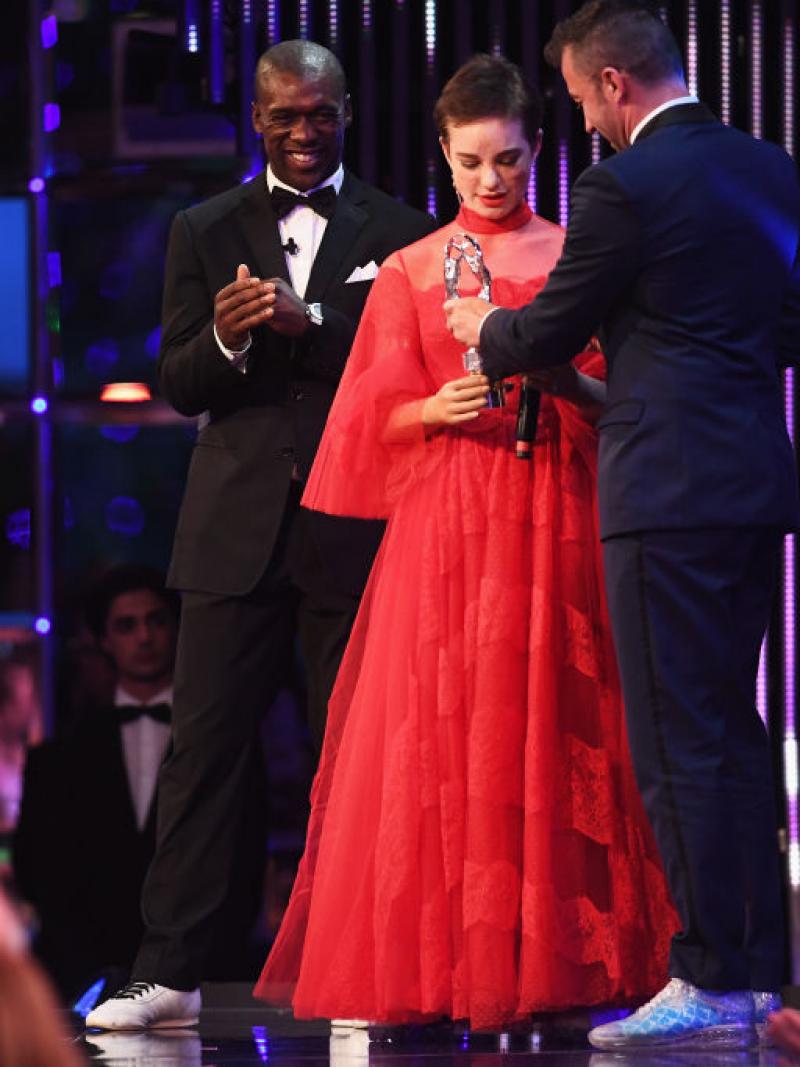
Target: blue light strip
(430, 74)
(216, 52)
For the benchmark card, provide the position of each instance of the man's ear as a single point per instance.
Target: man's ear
(613, 84)
(255, 118)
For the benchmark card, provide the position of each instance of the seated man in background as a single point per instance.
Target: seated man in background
(87, 823)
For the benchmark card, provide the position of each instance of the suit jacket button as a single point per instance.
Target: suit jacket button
(286, 453)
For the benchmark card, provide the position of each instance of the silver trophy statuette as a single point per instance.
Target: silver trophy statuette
(463, 248)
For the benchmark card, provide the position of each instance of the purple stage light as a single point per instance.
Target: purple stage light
(216, 53)
(273, 21)
(51, 118)
(125, 516)
(39, 405)
(43, 626)
(430, 70)
(102, 356)
(152, 342)
(49, 31)
(788, 85)
(532, 187)
(725, 60)
(121, 435)
(36, 185)
(261, 1042)
(54, 269)
(691, 46)
(430, 33)
(756, 69)
(18, 528)
(563, 181)
(303, 19)
(333, 24)
(191, 23)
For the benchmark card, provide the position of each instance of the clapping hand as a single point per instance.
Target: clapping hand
(249, 302)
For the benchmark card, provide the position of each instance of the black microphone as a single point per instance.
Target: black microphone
(527, 418)
(291, 247)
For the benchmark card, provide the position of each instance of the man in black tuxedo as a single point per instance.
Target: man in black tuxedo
(683, 250)
(86, 831)
(264, 288)
(87, 820)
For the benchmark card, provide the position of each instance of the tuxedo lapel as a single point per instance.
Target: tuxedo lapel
(347, 221)
(260, 232)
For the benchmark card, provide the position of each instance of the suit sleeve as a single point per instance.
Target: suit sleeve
(322, 352)
(193, 372)
(600, 260)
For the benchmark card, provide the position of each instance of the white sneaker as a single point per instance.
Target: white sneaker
(140, 1005)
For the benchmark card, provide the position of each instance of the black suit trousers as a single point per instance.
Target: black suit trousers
(233, 657)
(689, 609)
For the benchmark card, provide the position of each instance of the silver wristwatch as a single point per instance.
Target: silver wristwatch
(314, 314)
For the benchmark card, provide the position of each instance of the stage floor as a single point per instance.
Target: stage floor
(237, 1032)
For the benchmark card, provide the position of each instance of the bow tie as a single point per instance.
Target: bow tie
(323, 201)
(134, 712)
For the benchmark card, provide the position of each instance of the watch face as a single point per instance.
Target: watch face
(314, 314)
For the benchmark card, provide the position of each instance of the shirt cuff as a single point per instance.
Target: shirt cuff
(236, 356)
(491, 311)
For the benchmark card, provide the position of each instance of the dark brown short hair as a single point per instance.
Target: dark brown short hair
(626, 34)
(488, 87)
(118, 580)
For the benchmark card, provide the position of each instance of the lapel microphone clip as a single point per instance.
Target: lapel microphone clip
(291, 246)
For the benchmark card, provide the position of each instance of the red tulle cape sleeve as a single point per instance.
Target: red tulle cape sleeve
(374, 445)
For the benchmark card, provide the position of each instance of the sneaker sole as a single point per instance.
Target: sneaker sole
(718, 1037)
(162, 1024)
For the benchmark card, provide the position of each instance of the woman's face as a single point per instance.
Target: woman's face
(491, 163)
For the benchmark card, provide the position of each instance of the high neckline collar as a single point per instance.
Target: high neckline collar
(471, 220)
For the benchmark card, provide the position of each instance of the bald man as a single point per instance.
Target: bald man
(264, 288)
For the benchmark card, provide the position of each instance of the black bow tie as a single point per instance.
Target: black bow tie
(323, 201)
(134, 712)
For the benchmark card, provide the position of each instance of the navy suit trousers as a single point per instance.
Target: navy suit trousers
(689, 609)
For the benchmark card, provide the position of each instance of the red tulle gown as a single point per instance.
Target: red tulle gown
(477, 848)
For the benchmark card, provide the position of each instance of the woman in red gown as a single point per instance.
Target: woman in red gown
(476, 847)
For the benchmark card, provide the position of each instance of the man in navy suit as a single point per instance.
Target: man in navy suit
(682, 250)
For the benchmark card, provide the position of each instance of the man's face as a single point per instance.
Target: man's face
(598, 99)
(302, 123)
(140, 637)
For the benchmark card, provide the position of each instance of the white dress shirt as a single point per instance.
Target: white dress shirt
(144, 742)
(305, 228)
(637, 129)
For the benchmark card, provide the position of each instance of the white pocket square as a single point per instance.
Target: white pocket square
(364, 274)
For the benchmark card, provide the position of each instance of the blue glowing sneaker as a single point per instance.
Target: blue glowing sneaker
(683, 1016)
(764, 1003)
